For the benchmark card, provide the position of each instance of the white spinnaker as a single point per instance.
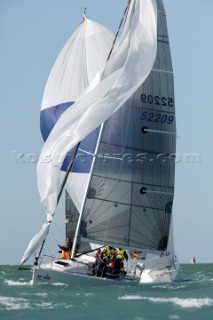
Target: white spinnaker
(78, 63)
(72, 72)
(128, 68)
(36, 242)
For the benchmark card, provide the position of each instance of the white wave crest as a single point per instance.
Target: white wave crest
(59, 284)
(184, 303)
(44, 305)
(14, 303)
(41, 294)
(17, 283)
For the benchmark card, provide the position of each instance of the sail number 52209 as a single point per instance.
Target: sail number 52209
(157, 117)
(159, 101)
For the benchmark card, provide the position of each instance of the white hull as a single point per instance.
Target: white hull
(164, 275)
(81, 272)
(75, 272)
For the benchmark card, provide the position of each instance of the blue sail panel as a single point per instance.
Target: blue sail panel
(49, 117)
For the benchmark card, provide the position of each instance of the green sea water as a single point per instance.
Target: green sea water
(189, 298)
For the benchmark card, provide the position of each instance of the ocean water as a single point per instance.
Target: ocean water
(190, 298)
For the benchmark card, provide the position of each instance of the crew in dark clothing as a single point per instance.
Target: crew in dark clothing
(66, 249)
(114, 267)
(100, 264)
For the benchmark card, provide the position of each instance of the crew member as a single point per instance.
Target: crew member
(66, 249)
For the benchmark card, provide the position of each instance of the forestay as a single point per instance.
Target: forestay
(127, 69)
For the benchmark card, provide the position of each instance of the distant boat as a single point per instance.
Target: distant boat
(122, 193)
(193, 260)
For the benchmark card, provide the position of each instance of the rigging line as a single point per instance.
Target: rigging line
(120, 25)
(87, 152)
(53, 234)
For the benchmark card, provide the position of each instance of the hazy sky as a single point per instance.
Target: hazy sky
(32, 33)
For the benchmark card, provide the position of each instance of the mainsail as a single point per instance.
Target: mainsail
(72, 72)
(122, 75)
(130, 195)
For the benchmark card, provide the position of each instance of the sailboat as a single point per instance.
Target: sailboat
(129, 183)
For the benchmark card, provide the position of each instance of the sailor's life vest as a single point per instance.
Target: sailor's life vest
(65, 253)
(121, 254)
(107, 251)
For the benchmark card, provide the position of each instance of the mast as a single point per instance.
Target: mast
(97, 146)
(75, 242)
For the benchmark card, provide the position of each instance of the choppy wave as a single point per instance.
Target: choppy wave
(192, 293)
(184, 303)
(17, 283)
(9, 303)
(41, 294)
(60, 284)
